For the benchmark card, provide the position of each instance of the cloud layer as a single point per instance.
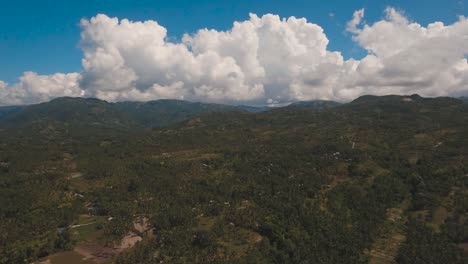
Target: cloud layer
(263, 60)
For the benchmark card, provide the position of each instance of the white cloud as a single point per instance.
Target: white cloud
(356, 21)
(406, 57)
(33, 88)
(261, 60)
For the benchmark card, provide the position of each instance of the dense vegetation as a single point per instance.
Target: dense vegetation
(378, 180)
(94, 112)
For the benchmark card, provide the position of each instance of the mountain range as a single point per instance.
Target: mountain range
(158, 113)
(161, 113)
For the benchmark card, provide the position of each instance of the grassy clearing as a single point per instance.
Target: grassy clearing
(83, 185)
(438, 217)
(87, 228)
(67, 257)
(385, 249)
(205, 223)
(86, 233)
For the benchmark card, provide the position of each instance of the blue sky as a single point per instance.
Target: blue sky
(42, 36)
(255, 52)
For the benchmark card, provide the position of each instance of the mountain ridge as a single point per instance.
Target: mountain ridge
(165, 112)
(347, 184)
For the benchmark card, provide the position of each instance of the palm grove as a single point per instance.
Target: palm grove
(377, 179)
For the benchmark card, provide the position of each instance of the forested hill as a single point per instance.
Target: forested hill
(162, 113)
(376, 180)
(95, 112)
(124, 115)
(9, 110)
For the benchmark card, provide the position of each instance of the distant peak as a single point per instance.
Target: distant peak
(416, 97)
(76, 99)
(374, 98)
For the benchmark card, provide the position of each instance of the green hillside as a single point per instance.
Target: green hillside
(377, 180)
(124, 115)
(9, 110)
(166, 112)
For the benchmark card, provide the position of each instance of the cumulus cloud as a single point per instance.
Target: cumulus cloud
(356, 21)
(33, 88)
(256, 60)
(263, 60)
(405, 57)
(2, 85)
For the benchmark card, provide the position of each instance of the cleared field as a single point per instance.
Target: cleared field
(67, 257)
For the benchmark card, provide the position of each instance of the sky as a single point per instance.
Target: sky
(192, 50)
